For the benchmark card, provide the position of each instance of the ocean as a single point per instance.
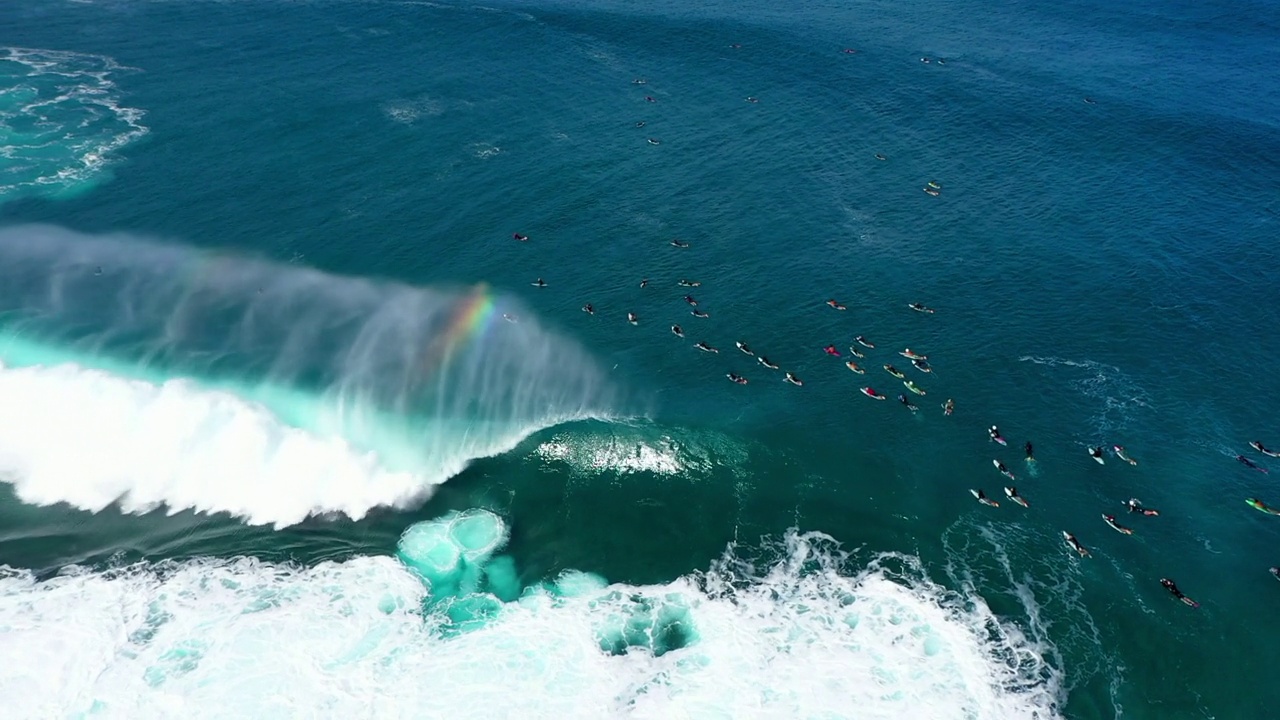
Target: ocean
(301, 414)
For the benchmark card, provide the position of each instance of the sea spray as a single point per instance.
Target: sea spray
(403, 385)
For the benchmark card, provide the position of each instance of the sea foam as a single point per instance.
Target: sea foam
(367, 638)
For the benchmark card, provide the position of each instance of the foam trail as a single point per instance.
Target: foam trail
(399, 387)
(61, 119)
(241, 638)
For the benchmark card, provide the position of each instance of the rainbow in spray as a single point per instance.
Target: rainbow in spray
(469, 323)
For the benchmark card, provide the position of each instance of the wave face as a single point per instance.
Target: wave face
(61, 119)
(271, 392)
(796, 638)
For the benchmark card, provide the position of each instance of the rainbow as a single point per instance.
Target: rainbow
(471, 320)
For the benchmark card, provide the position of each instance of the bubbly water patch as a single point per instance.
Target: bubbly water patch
(61, 120)
(90, 439)
(450, 553)
(799, 638)
(1118, 395)
(631, 448)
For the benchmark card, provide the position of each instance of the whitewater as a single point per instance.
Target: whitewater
(224, 384)
(444, 629)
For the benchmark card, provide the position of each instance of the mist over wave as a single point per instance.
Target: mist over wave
(185, 375)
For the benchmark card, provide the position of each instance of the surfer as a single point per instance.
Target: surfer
(654, 141)
(705, 347)
(677, 242)
(509, 317)
(1012, 493)
(910, 354)
(922, 366)
(1258, 446)
(1096, 454)
(871, 393)
(854, 367)
(924, 60)
(677, 331)
(831, 350)
(639, 123)
(520, 238)
(1135, 506)
(864, 342)
(753, 100)
(894, 372)
(982, 498)
(1111, 520)
(791, 378)
(1074, 544)
(1119, 451)
(1275, 572)
(1250, 464)
(644, 282)
(639, 81)
(913, 387)
(743, 347)
(589, 309)
(736, 378)
(1090, 101)
(920, 308)
(1003, 470)
(649, 98)
(855, 352)
(881, 157)
(765, 362)
(633, 318)
(539, 283)
(1028, 450)
(994, 432)
(836, 305)
(688, 283)
(689, 299)
(906, 403)
(948, 407)
(1257, 504)
(698, 313)
(1172, 587)
(932, 191)
(934, 185)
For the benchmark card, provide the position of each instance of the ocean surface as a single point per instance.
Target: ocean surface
(287, 429)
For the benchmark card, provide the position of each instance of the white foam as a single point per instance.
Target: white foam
(1119, 395)
(630, 448)
(90, 438)
(69, 110)
(249, 639)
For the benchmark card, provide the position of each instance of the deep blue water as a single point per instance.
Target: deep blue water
(1102, 273)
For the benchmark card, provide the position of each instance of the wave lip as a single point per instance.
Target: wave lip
(244, 638)
(63, 119)
(228, 384)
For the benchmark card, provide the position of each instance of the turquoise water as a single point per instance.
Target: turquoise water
(255, 259)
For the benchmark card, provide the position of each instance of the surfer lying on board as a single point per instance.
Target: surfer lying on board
(1258, 446)
(1250, 464)
(1074, 544)
(1257, 504)
(1135, 506)
(982, 498)
(1172, 587)
(1031, 457)
(1012, 493)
